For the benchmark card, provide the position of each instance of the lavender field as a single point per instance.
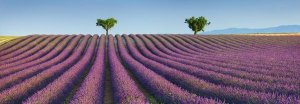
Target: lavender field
(143, 69)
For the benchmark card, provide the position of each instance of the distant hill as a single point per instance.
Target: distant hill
(278, 29)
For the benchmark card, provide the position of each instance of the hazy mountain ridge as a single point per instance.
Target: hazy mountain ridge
(278, 29)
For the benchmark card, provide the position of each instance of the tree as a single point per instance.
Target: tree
(106, 24)
(197, 24)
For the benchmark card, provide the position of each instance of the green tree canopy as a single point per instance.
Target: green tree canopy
(197, 24)
(106, 24)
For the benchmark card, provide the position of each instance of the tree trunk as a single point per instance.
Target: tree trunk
(106, 32)
(195, 32)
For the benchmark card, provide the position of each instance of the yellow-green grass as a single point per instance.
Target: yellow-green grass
(4, 39)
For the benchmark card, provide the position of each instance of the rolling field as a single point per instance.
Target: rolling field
(4, 39)
(138, 69)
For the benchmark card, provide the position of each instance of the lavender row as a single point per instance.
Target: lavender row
(50, 59)
(235, 42)
(200, 38)
(204, 41)
(235, 73)
(195, 85)
(18, 45)
(35, 56)
(124, 88)
(18, 77)
(13, 42)
(240, 58)
(217, 47)
(215, 63)
(182, 47)
(276, 70)
(175, 65)
(185, 46)
(205, 46)
(267, 65)
(245, 66)
(269, 42)
(91, 90)
(229, 43)
(245, 42)
(219, 78)
(223, 45)
(194, 56)
(162, 89)
(192, 37)
(23, 49)
(197, 49)
(33, 50)
(21, 91)
(172, 51)
(58, 90)
(170, 46)
(22, 75)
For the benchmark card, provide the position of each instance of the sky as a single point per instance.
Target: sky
(25, 17)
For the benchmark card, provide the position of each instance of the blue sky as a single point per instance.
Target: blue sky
(23, 17)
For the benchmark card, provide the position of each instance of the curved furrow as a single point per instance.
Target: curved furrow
(252, 66)
(13, 42)
(217, 58)
(214, 67)
(175, 40)
(224, 46)
(209, 44)
(57, 91)
(238, 43)
(202, 87)
(212, 43)
(246, 61)
(264, 62)
(245, 41)
(180, 43)
(162, 89)
(170, 46)
(28, 87)
(32, 51)
(206, 40)
(207, 60)
(262, 41)
(217, 47)
(18, 45)
(208, 47)
(221, 47)
(203, 47)
(24, 48)
(54, 57)
(192, 45)
(22, 74)
(37, 55)
(201, 40)
(227, 44)
(222, 79)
